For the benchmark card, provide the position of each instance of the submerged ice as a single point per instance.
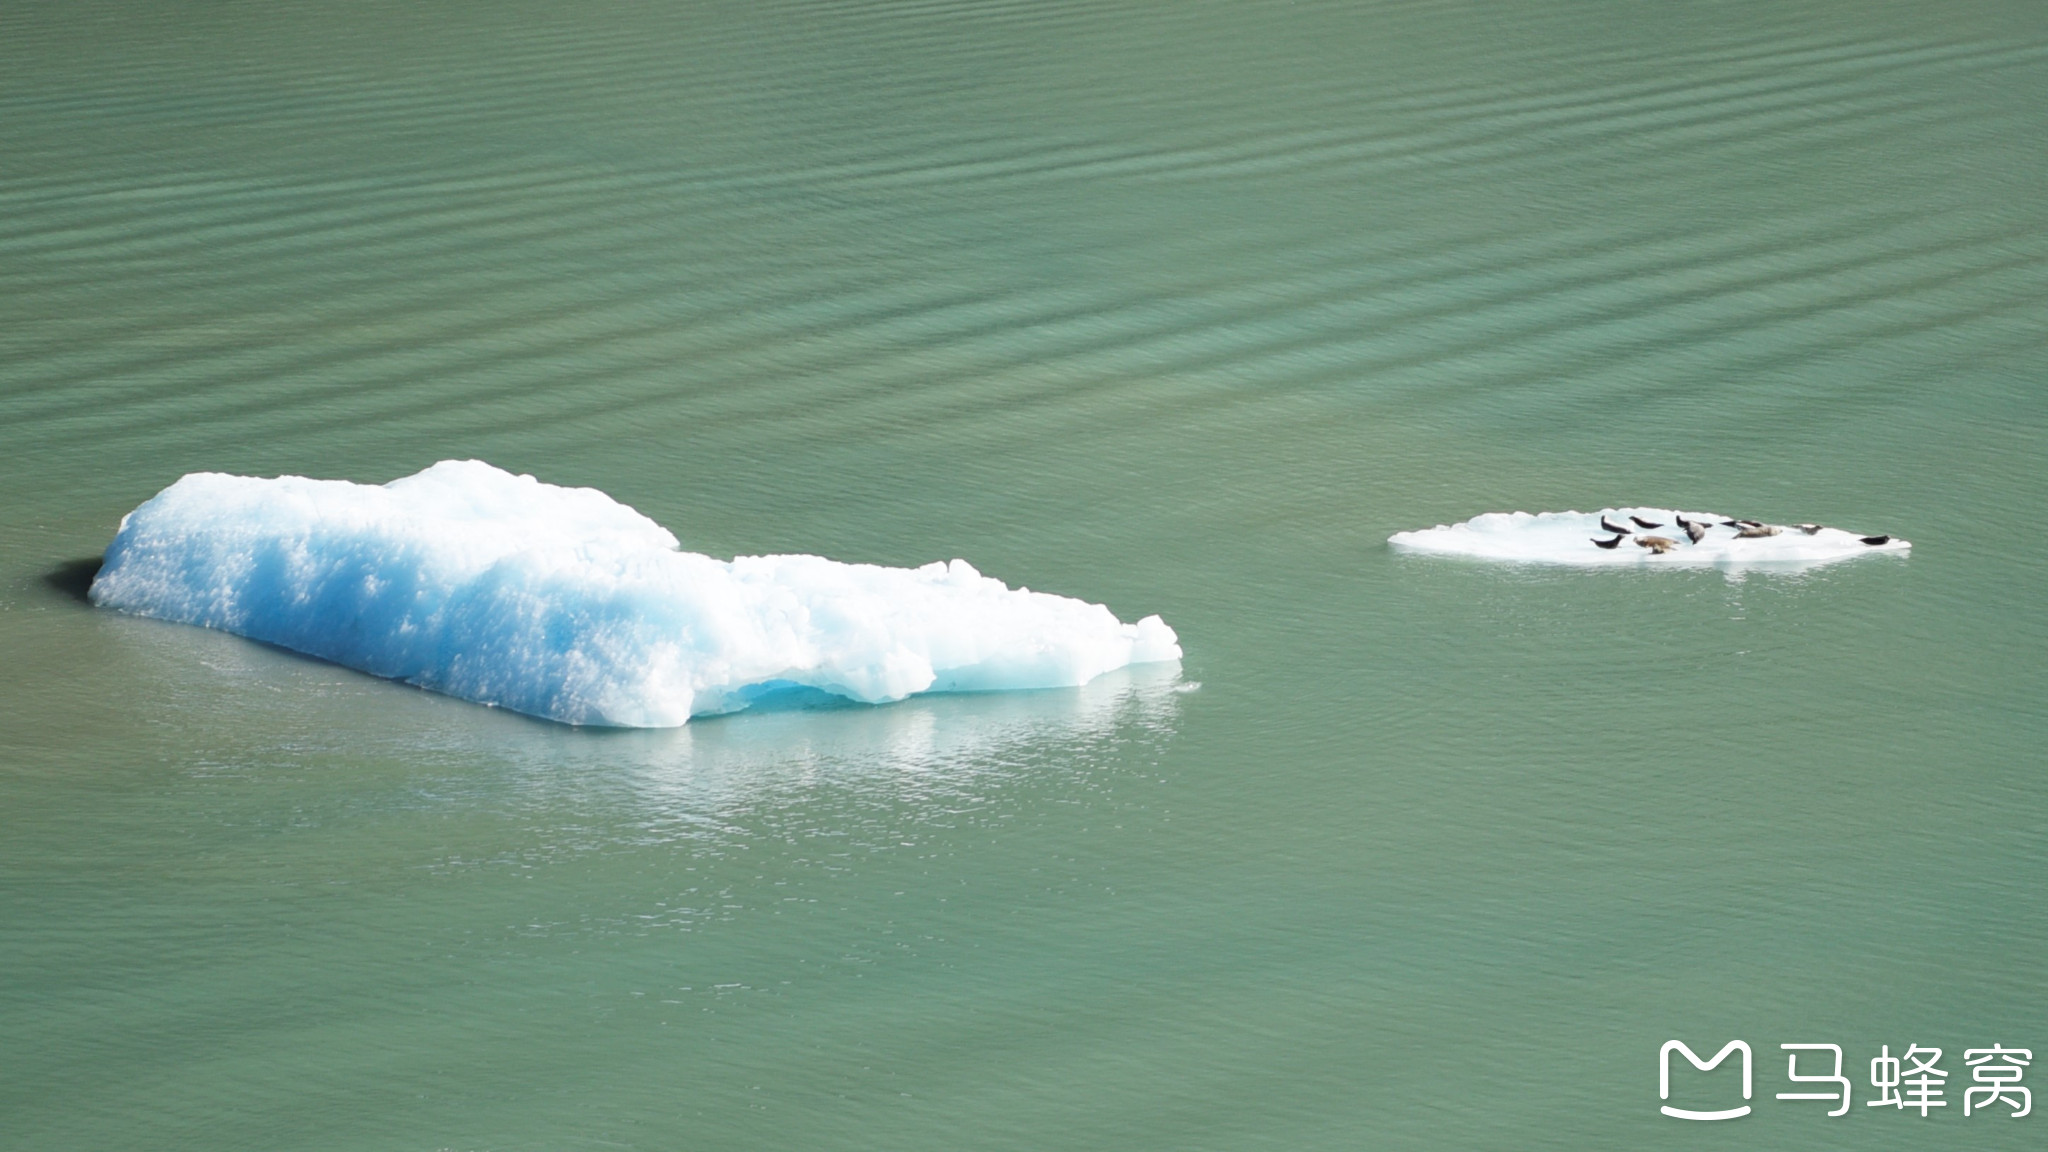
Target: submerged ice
(564, 603)
(1588, 538)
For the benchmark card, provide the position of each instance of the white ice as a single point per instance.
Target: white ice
(1567, 538)
(564, 603)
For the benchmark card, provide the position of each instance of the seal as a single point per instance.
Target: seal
(1609, 543)
(1658, 545)
(1606, 526)
(1694, 532)
(1642, 523)
(1754, 531)
(1874, 541)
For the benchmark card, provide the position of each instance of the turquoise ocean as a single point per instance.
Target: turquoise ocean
(1182, 308)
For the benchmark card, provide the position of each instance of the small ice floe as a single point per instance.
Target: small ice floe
(565, 603)
(1639, 537)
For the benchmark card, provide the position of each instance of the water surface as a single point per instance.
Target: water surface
(1181, 308)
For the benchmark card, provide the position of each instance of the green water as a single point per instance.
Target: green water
(1182, 308)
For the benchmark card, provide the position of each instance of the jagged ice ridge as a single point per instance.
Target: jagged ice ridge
(566, 604)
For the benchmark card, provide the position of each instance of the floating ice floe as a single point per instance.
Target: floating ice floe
(564, 603)
(1590, 539)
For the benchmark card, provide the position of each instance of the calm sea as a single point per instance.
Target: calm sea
(1180, 307)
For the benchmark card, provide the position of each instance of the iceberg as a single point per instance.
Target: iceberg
(1570, 538)
(566, 604)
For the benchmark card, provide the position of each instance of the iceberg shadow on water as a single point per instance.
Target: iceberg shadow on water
(74, 578)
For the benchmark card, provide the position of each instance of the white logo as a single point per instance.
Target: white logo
(2001, 1077)
(1834, 1077)
(1913, 1080)
(1664, 1078)
(1922, 1079)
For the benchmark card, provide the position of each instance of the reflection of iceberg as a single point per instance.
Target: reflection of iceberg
(822, 790)
(930, 751)
(566, 604)
(1568, 538)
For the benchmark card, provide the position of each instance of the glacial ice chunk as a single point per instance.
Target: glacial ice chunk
(1568, 538)
(564, 603)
